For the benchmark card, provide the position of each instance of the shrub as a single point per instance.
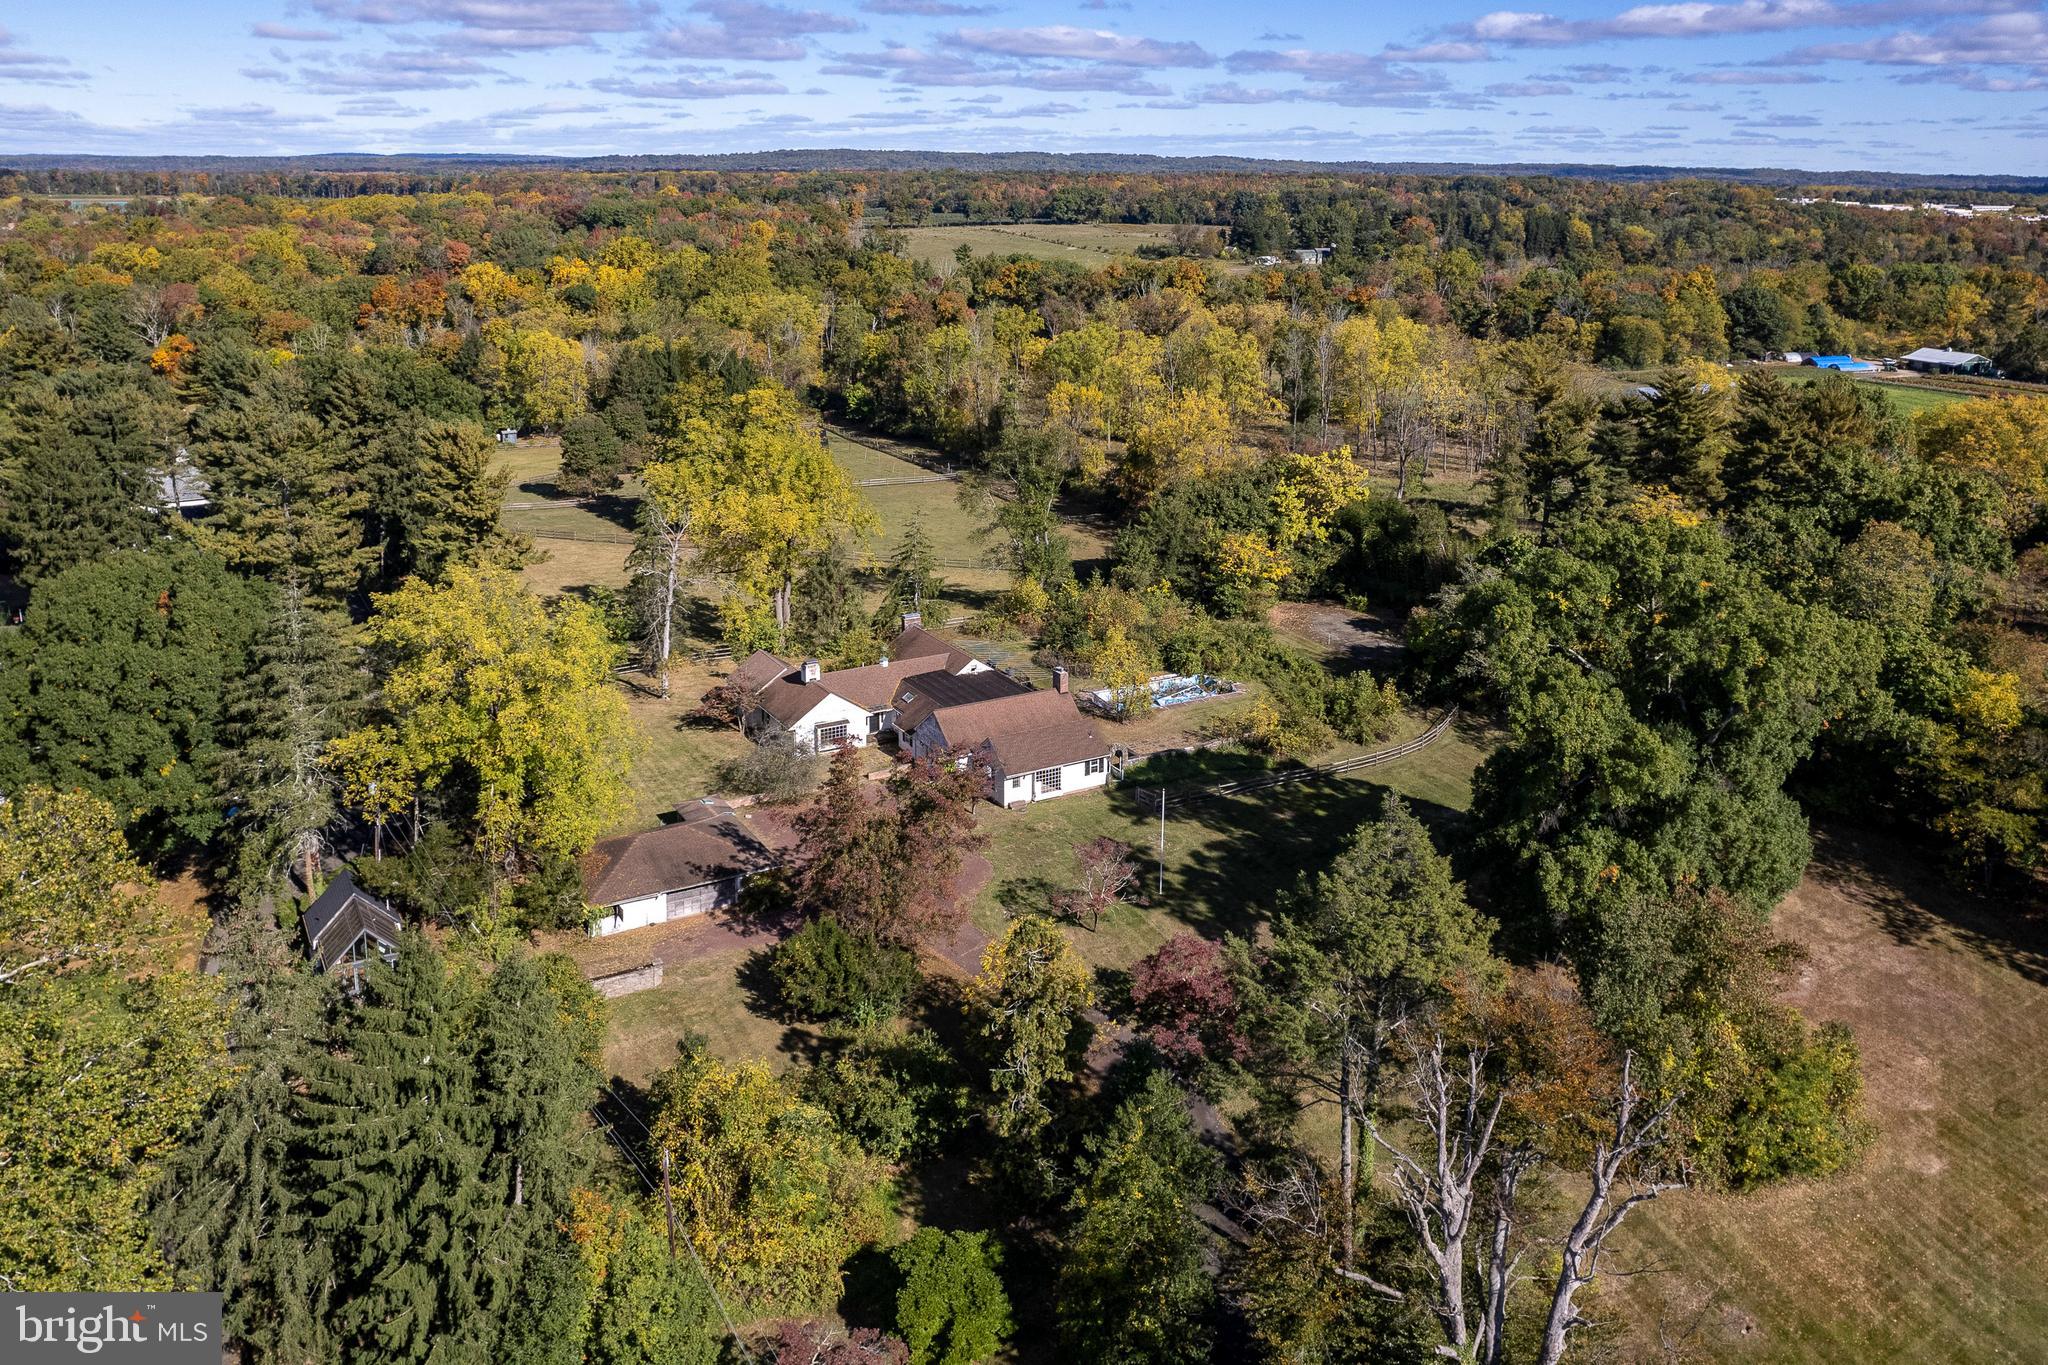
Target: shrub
(951, 1309)
(823, 972)
(1360, 709)
(776, 768)
(897, 1098)
(592, 455)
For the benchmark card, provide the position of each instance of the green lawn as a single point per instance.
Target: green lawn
(705, 997)
(1225, 858)
(954, 531)
(676, 761)
(1907, 398)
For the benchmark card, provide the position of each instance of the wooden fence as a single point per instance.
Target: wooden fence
(1281, 777)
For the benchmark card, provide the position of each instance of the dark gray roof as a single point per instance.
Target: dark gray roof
(341, 916)
(918, 697)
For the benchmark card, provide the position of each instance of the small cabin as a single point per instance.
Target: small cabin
(347, 929)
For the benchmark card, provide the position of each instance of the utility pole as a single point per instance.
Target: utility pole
(669, 1203)
(1162, 842)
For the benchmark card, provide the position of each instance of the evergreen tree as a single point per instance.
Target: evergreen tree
(398, 1148)
(229, 1212)
(828, 609)
(593, 458)
(1682, 437)
(287, 500)
(82, 453)
(295, 698)
(1357, 946)
(448, 511)
(540, 1032)
(914, 568)
(117, 683)
(1133, 1289)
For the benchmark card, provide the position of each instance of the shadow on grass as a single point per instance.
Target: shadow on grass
(1020, 896)
(1243, 852)
(1904, 883)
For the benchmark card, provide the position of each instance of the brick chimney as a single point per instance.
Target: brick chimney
(909, 619)
(809, 672)
(1060, 680)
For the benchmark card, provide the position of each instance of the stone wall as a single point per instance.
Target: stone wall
(642, 978)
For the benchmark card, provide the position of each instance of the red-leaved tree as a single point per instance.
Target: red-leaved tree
(887, 863)
(1184, 1005)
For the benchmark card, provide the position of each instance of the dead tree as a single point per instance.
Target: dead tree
(1461, 1188)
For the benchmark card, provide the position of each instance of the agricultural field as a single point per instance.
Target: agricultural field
(1090, 244)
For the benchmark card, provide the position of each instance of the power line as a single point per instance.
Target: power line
(619, 1102)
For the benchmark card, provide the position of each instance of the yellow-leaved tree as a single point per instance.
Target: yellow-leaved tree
(503, 705)
(2006, 439)
(762, 496)
(768, 1190)
(108, 1052)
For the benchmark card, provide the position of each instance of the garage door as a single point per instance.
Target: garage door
(694, 901)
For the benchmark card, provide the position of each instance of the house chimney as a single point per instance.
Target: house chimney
(809, 672)
(909, 619)
(1060, 681)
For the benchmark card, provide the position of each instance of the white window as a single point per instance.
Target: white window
(1095, 765)
(830, 736)
(1016, 781)
(1048, 779)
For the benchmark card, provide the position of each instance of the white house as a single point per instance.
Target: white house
(700, 863)
(844, 706)
(1033, 745)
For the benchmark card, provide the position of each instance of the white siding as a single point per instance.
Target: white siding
(1020, 788)
(633, 914)
(833, 710)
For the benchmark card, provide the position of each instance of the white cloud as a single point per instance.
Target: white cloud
(34, 68)
(746, 30)
(691, 87)
(1070, 43)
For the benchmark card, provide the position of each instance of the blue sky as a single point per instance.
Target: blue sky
(1938, 85)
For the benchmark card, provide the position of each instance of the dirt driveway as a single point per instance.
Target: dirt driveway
(1349, 639)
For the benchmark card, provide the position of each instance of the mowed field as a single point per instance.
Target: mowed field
(1932, 1248)
(1090, 244)
(586, 546)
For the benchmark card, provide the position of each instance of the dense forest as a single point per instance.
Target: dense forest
(1695, 601)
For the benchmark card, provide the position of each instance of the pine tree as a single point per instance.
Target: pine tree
(448, 513)
(398, 1147)
(540, 1031)
(82, 451)
(287, 499)
(296, 697)
(229, 1213)
(1683, 440)
(914, 568)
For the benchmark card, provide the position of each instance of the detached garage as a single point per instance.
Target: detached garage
(698, 864)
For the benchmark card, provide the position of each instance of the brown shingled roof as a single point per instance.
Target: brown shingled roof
(757, 670)
(1024, 733)
(915, 642)
(676, 857)
(871, 687)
